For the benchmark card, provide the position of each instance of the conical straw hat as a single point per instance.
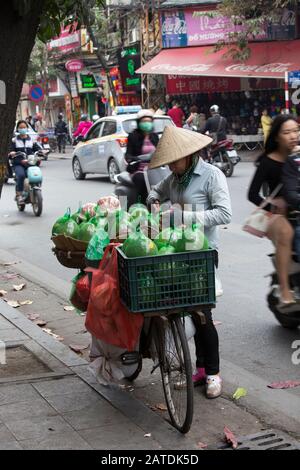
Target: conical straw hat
(177, 143)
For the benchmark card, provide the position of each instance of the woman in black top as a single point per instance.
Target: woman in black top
(283, 138)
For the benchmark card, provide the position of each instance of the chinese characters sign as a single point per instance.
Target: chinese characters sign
(178, 84)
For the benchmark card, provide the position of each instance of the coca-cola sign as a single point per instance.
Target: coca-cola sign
(74, 65)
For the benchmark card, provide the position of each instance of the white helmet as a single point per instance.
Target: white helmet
(95, 118)
(214, 109)
(144, 113)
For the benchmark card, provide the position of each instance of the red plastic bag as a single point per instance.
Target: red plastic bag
(107, 318)
(83, 289)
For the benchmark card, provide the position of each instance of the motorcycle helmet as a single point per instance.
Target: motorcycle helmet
(95, 118)
(84, 117)
(214, 108)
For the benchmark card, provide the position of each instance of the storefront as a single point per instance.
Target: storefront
(196, 74)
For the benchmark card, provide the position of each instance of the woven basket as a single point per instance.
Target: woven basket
(70, 259)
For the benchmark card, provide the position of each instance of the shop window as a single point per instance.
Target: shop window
(109, 128)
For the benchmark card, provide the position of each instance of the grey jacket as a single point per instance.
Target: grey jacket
(206, 200)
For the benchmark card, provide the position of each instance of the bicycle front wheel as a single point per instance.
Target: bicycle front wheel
(176, 371)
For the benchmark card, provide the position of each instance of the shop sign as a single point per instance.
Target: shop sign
(68, 106)
(194, 27)
(88, 82)
(129, 60)
(74, 65)
(178, 85)
(66, 41)
(73, 85)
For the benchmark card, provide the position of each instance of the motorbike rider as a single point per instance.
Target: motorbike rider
(140, 142)
(194, 182)
(22, 143)
(282, 139)
(83, 127)
(216, 124)
(61, 132)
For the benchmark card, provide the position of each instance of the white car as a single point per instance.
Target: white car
(104, 147)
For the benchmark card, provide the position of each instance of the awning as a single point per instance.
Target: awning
(267, 60)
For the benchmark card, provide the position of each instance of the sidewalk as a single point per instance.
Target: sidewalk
(50, 400)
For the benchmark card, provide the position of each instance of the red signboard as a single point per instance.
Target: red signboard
(180, 85)
(74, 65)
(68, 40)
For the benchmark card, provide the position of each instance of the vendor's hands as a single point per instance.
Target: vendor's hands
(280, 206)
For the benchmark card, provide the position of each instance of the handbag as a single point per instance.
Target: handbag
(258, 222)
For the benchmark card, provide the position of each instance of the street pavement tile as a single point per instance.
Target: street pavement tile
(5, 434)
(114, 438)
(64, 386)
(11, 445)
(65, 441)
(26, 409)
(96, 415)
(15, 393)
(38, 427)
(12, 334)
(75, 402)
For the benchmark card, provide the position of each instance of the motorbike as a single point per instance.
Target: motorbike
(291, 318)
(125, 186)
(32, 193)
(224, 156)
(43, 140)
(10, 173)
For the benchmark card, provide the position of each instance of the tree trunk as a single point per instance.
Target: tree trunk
(17, 36)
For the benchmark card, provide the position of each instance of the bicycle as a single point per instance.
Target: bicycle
(176, 293)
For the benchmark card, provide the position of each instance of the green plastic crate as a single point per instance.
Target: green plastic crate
(166, 282)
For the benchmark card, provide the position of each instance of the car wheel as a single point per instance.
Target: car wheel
(113, 170)
(77, 170)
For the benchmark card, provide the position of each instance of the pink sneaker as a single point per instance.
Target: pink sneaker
(199, 378)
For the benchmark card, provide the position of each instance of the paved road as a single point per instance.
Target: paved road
(250, 336)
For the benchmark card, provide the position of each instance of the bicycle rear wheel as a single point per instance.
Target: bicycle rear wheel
(176, 371)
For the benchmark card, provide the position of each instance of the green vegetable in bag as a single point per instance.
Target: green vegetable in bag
(86, 231)
(58, 227)
(138, 245)
(97, 245)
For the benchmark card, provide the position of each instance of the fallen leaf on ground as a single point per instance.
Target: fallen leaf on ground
(230, 438)
(40, 323)
(239, 393)
(9, 276)
(286, 384)
(26, 302)
(148, 435)
(2, 293)
(13, 303)
(161, 407)
(19, 287)
(77, 348)
(217, 322)
(10, 263)
(201, 445)
(68, 308)
(50, 332)
(33, 316)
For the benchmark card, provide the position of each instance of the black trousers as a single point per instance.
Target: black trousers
(206, 342)
(207, 339)
(61, 141)
(139, 181)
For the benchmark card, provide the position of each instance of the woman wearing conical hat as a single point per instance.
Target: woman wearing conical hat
(199, 194)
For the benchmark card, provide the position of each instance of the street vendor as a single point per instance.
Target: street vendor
(199, 194)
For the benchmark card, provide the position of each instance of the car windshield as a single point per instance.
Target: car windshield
(159, 125)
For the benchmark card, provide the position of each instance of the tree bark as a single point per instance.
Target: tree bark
(17, 36)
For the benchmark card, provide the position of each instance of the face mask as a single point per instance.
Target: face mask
(23, 131)
(146, 126)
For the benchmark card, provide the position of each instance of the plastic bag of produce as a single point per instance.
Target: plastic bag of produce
(97, 245)
(58, 227)
(107, 318)
(80, 292)
(109, 204)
